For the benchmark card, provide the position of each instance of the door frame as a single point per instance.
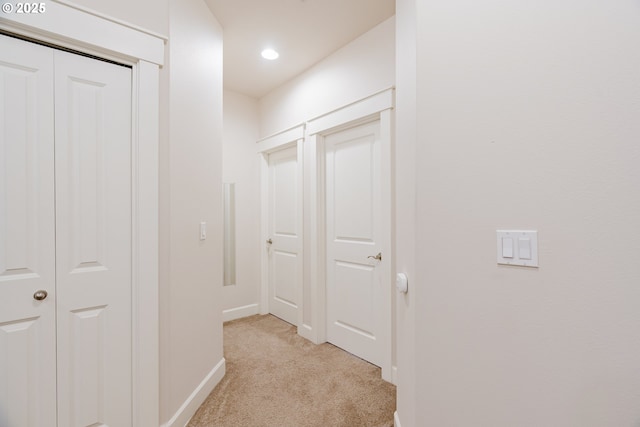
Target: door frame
(266, 146)
(376, 107)
(73, 27)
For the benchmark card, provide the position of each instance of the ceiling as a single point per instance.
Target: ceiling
(302, 31)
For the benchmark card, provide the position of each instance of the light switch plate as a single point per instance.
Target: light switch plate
(522, 245)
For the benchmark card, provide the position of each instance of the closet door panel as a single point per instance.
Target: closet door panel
(27, 236)
(93, 216)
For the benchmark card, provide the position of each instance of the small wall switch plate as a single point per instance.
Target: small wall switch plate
(517, 247)
(203, 230)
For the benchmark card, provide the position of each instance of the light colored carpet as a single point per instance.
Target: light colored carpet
(275, 378)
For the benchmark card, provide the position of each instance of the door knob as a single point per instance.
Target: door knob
(378, 257)
(269, 241)
(40, 295)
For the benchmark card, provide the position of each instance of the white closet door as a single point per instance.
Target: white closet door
(27, 326)
(93, 241)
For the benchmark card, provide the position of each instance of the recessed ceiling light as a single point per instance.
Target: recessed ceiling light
(270, 54)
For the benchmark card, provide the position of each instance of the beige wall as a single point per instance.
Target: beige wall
(527, 117)
(151, 15)
(242, 167)
(190, 192)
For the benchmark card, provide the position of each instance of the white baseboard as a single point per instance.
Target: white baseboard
(190, 406)
(396, 419)
(305, 331)
(239, 312)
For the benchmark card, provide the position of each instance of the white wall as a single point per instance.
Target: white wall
(190, 192)
(528, 117)
(151, 15)
(359, 69)
(241, 166)
(405, 189)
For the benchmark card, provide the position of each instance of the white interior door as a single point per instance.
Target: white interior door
(356, 258)
(285, 229)
(27, 236)
(93, 241)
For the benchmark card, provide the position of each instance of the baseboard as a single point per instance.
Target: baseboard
(305, 331)
(239, 312)
(396, 419)
(190, 406)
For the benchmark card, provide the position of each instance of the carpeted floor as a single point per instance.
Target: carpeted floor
(275, 378)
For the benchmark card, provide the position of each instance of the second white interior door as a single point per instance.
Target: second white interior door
(285, 229)
(356, 258)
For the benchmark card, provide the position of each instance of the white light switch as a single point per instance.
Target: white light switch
(203, 230)
(507, 247)
(518, 247)
(524, 248)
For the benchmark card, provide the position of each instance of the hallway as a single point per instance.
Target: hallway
(277, 378)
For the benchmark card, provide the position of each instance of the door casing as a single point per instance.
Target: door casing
(376, 107)
(292, 138)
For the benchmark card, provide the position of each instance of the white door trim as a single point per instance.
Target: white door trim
(378, 106)
(280, 140)
(266, 146)
(356, 111)
(68, 27)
